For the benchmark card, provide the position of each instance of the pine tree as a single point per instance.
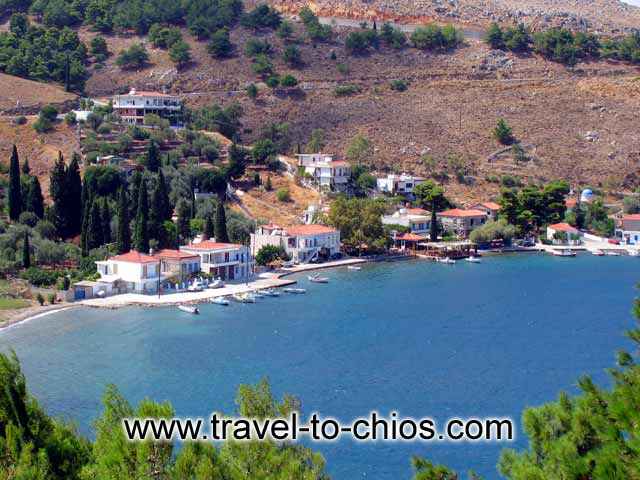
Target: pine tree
(221, 224)
(35, 202)
(26, 252)
(73, 190)
(209, 231)
(57, 191)
(26, 169)
(141, 232)
(15, 189)
(123, 240)
(153, 157)
(105, 216)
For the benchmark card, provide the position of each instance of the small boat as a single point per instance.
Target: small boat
(473, 259)
(597, 253)
(563, 252)
(189, 309)
(270, 292)
(318, 279)
(354, 267)
(634, 252)
(196, 286)
(258, 294)
(220, 301)
(446, 260)
(244, 298)
(613, 253)
(217, 283)
(295, 290)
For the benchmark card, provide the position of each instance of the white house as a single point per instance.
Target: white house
(402, 184)
(460, 221)
(327, 173)
(565, 230)
(417, 220)
(303, 243)
(490, 208)
(629, 230)
(135, 272)
(133, 106)
(228, 261)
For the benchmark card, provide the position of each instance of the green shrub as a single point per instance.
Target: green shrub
(345, 90)
(283, 195)
(219, 45)
(399, 85)
(51, 298)
(502, 132)
(135, 56)
(20, 120)
(40, 278)
(270, 253)
(289, 81)
(434, 37)
(40, 299)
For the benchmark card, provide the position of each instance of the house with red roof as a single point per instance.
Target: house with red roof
(226, 261)
(490, 208)
(460, 221)
(629, 229)
(325, 172)
(133, 106)
(417, 220)
(303, 243)
(563, 233)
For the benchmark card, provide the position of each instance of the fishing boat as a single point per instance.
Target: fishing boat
(189, 309)
(244, 298)
(295, 290)
(563, 252)
(473, 259)
(258, 294)
(270, 292)
(597, 253)
(318, 279)
(447, 261)
(354, 267)
(217, 283)
(220, 301)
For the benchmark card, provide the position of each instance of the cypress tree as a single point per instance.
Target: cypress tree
(209, 231)
(105, 216)
(73, 200)
(153, 157)
(184, 215)
(141, 232)
(26, 169)
(26, 252)
(35, 202)
(57, 191)
(15, 189)
(221, 224)
(162, 202)
(136, 180)
(123, 240)
(95, 236)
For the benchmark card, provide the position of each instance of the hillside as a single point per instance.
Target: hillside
(603, 15)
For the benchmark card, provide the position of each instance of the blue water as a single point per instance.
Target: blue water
(420, 338)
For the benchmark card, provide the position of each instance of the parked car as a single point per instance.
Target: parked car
(613, 241)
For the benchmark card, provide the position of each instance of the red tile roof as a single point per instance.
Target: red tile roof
(563, 227)
(339, 163)
(417, 211)
(134, 257)
(309, 230)
(410, 237)
(634, 217)
(490, 205)
(570, 202)
(210, 245)
(174, 254)
(458, 212)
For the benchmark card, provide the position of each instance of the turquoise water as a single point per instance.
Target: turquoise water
(420, 338)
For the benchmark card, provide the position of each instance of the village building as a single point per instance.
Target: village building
(462, 222)
(325, 172)
(226, 261)
(134, 106)
(629, 229)
(417, 220)
(563, 233)
(402, 184)
(302, 243)
(490, 208)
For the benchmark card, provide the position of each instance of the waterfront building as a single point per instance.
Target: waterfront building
(325, 172)
(629, 230)
(402, 184)
(133, 106)
(227, 261)
(417, 220)
(462, 222)
(490, 208)
(303, 243)
(563, 233)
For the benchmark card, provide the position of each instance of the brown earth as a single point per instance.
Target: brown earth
(23, 94)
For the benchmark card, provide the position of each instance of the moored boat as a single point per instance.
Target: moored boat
(473, 259)
(354, 267)
(189, 309)
(634, 252)
(220, 301)
(597, 253)
(295, 290)
(446, 260)
(244, 298)
(217, 283)
(318, 279)
(613, 253)
(270, 292)
(563, 252)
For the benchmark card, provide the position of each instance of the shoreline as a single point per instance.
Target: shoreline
(29, 314)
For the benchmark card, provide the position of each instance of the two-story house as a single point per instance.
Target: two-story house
(303, 243)
(227, 261)
(461, 222)
(133, 106)
(325, 172)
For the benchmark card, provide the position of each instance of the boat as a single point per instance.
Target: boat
(446, 260)
(244, 298)
(473, 259)
(563, 252)
(634, 252)
(217, 283)
(258, 294)
(196, 286)
(318, 279)
(354, 267)
(597, 253)
(220, 301)
(295, 290)
(270, 292)
(613, 253)
(189, 309)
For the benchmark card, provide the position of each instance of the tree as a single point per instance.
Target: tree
(152, 161)
(95, 234)
(220, 227)
(15, 193)
(209, 229)
(219, 45)
(180, 53)
(252, 91)
(184, 216)
(35, 202)
(270, 253)
(494, 37)
(73, 195)
(288, 81)
(135, 56)
(431, 196)
(141, 231)
(123, 232)
(26, 251)
(58, 193)
(26, 169)
(291, 56)
(316, 142)
(503, 132)
(105, 217)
